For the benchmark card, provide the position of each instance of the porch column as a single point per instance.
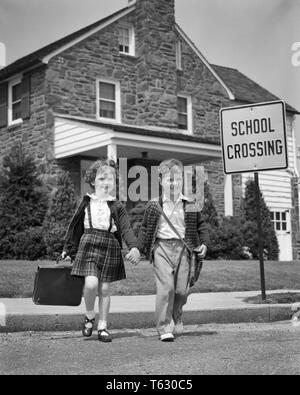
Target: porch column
(228, 199)
(112, 152)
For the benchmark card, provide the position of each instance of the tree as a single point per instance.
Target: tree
(61, 209)
(209, 211)
(226, 240)
(23, 201)
(249, 210)
(136, 215)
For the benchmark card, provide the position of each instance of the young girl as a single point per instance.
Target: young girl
(94, 239)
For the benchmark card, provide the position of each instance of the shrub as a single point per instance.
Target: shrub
(227, 241)
(29, 244)
(23, 201)
(7, 247)
(61, 209)
(209, 211)
(249, 210)
(136, 216)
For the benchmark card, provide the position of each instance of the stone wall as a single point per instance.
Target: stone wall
(33, 133)
(72, 75)
(208, 95)
(156, 63)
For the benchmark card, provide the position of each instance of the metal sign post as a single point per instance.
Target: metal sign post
(260, 239)
(253, 139)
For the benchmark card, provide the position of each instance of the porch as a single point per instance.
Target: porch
(82, 136)
(80, 141)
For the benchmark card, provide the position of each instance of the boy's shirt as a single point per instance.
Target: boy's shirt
(175, 212)
(196, 231)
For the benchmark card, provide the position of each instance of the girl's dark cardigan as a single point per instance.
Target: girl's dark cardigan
(76, 226)
(196, 232)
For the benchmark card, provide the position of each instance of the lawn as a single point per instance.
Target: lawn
(17, 277)
(287, 297)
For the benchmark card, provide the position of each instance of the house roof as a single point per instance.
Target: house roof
(245, 89)
(36, 58)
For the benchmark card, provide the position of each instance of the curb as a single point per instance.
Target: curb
(134, 320)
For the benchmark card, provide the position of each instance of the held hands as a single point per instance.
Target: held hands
(134, 256)
(201, 251)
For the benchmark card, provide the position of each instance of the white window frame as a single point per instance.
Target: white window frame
(280, 221)
(130, 29)
(10, 103)
(179, 55)
(117, 100)
(189, 129)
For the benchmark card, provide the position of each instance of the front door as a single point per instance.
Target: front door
(281, 220)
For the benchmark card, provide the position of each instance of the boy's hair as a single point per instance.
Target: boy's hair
(90, 174)
(168, 164)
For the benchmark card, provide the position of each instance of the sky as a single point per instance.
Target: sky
(260, 38)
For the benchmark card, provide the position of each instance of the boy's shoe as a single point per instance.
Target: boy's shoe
(104, 336)
(178, 330)
(167, 337)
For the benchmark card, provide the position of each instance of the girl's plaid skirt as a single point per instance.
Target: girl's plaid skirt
(99, 254)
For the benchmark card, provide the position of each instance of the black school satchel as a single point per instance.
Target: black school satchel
(54, 285)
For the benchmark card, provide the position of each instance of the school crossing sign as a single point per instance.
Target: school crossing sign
(254, 137)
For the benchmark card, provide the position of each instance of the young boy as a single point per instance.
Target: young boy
(163, 247)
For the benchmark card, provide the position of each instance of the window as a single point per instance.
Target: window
(178, 55)
(14, 102)
(108, 100)
(279, 220)
(184, 109)
(126, 40)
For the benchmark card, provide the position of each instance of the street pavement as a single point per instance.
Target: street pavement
(219, 349)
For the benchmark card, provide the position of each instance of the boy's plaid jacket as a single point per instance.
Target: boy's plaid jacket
(76, 226)
(196, 232)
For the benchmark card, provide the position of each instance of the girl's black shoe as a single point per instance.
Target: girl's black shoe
(86, 331)
(104, 336)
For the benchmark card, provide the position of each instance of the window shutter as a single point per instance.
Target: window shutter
(3, 104)
(25, 98)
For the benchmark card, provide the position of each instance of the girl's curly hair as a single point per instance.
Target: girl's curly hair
(90, 174)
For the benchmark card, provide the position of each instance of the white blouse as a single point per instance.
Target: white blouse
(100, 213)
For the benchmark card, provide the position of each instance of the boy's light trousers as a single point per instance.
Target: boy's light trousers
(171, 269)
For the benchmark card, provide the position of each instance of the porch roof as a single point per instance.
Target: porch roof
(82, 136)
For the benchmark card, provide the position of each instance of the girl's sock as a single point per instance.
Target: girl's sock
(90, 315)
(102, 325)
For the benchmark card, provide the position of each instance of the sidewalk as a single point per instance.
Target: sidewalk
(17, 315)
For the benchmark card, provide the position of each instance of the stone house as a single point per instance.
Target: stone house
(134, 86)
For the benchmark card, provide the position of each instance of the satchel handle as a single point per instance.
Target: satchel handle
(60, 259)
